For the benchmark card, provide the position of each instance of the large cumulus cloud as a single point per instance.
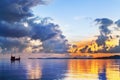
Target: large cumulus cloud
(19, 27)
(14, 10)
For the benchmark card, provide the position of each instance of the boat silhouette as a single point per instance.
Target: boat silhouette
(13, 58)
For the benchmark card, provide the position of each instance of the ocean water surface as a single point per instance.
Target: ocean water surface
(60, 69)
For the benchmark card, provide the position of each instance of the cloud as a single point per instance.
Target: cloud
(56, 44)
(8, 44)
(78, 18)
(118, 23)
(15, 10)
(13, 30)
(107, 41)
(44, 31)
(19, 26)
(104, 23)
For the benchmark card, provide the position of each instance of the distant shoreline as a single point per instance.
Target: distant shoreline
(110, 57)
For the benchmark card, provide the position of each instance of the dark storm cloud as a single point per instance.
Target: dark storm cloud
(13, 30)
(50, 35)
(101, 40)
(56, 44)
(17, 22)
(43, 30)
(15, 10)
(104, 23)
(118, 23)
(9, 44)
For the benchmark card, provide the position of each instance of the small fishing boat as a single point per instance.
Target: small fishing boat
(13, 58)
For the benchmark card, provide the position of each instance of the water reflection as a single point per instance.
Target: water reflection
(60, 69)
(46, 69)
(93, 70)
(12, 71)
(34, 71)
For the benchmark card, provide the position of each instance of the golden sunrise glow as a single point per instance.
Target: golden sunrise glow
(35, 45)
(93, 46)
(112, 43)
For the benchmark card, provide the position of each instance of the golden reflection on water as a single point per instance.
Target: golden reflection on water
(77, 69)
(34, 71)
(92, 70)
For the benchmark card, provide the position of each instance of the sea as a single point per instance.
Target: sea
(60, 69)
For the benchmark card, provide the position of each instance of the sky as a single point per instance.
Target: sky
(35, 26)
(76, 17)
